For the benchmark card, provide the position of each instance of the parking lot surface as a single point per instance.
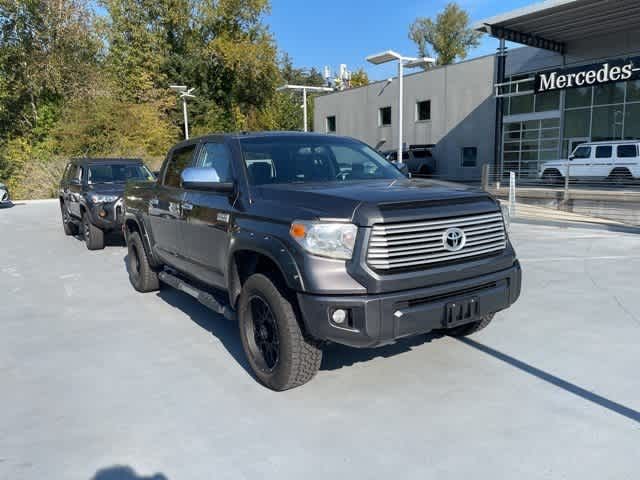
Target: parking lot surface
(99, 381)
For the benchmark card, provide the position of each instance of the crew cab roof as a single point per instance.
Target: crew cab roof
(265, 134)
(104, 160)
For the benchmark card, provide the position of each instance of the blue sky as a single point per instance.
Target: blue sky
(330, 33)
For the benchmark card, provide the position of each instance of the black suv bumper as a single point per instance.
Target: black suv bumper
(107, 216)
(375, 320)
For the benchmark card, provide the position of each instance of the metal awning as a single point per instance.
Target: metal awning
(554, 23)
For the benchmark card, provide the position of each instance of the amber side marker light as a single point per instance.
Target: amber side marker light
(297, 230)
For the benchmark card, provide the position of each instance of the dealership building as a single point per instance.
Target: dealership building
(576, 79)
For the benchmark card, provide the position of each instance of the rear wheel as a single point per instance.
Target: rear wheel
(69, 227)
(93, 236)
(620, 175)
(273, 342)
(470, 328)
(141, 275)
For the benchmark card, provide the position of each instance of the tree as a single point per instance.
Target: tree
(359, 78)
(449, 36)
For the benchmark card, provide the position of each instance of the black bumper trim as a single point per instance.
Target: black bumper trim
(383, 318)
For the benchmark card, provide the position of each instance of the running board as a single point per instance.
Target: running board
(203, 297)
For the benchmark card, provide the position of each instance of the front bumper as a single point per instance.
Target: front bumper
(4, 196)
(383, 318)
(108, 216)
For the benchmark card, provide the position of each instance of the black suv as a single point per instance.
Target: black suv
(308, 239)
(91, 195)
(419, 159)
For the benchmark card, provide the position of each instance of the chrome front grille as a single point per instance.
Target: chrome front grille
(411, 244)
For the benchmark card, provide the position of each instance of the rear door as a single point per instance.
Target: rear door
(207, 217)
(602, 162)
(165, 212)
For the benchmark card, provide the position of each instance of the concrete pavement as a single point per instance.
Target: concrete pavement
(98, 381)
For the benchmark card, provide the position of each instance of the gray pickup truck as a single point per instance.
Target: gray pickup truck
(307, 239)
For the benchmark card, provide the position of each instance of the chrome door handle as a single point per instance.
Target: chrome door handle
(187, 206)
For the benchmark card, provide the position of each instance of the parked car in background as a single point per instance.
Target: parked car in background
(90, 195)
(617, 161)
(308, 239)
(5, 198)
(418, 158)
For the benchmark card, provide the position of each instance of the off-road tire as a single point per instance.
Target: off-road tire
(68, 226)
(93, 236)
(470, 328)
(141, 275)
(298, 358)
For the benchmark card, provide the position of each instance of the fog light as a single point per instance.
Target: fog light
(339, 316)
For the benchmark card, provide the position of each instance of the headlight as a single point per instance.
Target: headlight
(98, 198)
(333, 240)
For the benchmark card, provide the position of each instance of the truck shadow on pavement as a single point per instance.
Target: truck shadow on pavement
(335, 357)
(224, 330)
(122, 472)
(558, 382)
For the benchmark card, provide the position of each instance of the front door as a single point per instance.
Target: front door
(75, 191)
(165, 213)
(580, 163)
(207, 219)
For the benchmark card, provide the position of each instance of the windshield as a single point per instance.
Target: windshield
(118, 173)
(301, 159)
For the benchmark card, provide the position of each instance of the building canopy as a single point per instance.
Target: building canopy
(554, 23)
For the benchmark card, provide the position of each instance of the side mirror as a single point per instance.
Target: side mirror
(204, 179)
(401, 166)
(571, 157)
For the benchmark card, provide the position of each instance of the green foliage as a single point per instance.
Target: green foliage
(449, 35)
(359, 78)
(73, 83)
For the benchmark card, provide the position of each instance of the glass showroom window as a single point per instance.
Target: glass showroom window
(331, 124)
(518, 104)
(384, 117)
(528, 144)
(423, 111)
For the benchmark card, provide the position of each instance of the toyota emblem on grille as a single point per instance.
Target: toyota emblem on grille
(453, 239)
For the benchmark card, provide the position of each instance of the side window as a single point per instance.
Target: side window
(180, 159)
(80, 174)
(604, 151)
(469, 156)
(67, 172)
(627, 151)
(218, 156)
(72, 173)
(582, 152)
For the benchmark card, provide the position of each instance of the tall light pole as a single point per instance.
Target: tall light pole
(403, 62)
(304, 89)
(184, 94)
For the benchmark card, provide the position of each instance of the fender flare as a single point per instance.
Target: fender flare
(269, 246)
(130, 217)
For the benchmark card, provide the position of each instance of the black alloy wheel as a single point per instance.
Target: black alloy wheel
(264, 341)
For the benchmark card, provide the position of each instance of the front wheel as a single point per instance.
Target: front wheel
(141, 275)
(93, 236)
(470, 328)
(273, 342)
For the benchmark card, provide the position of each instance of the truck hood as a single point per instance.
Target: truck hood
(343, 200)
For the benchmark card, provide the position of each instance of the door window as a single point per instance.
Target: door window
(627, 151)
(218, 156)
(180, 159)
(582, 152)
(604, 151)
